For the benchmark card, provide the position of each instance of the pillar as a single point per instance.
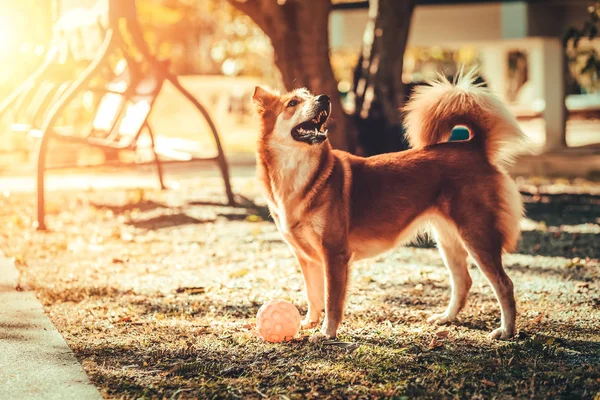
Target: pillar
(547, 71)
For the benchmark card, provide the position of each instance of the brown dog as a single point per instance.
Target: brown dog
(333, 208)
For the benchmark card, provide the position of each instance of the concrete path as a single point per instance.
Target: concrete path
(35, 361)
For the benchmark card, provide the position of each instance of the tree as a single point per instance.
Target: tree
(299, 33)
(378, 87)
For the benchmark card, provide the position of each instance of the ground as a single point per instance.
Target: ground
(157, 292)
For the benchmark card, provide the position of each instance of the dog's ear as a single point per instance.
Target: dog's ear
(262, 99)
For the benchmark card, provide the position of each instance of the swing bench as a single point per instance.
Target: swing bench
(91, 35)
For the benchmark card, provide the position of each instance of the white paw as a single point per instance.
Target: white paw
(501, 334)
(329, 331)
(318, 338)
(326, 333)
(440, 319)
(307, 323)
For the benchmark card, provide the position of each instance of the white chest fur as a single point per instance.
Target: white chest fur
(290, 174)
(293, 167)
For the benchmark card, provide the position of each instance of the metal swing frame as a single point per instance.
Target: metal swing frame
(118, 10)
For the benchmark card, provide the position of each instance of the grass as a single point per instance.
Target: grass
(160, 302)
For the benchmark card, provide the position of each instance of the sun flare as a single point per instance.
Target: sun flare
(7, 35)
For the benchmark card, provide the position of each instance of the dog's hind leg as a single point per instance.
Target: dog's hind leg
(490, 264)
(455, 258)
(484, 243)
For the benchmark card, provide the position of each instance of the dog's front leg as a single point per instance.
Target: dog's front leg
(336, 275)
(314, 284)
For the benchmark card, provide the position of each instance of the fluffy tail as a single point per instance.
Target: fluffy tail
(435, 110)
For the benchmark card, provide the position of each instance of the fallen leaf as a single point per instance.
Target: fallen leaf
(435, 343)
(538, 319)
(191, 290)
(239, 273)
(366, 279)
(488, 383)
(20, 287)
(253, 218)
(442, 334)
(19, 259)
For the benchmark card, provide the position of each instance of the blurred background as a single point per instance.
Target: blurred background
(539, 56)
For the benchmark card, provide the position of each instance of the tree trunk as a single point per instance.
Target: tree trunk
(299, 33)
(379, 91)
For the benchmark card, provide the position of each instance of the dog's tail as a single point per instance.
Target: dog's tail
(435, 110)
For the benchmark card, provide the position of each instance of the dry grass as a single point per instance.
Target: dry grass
(159, 302)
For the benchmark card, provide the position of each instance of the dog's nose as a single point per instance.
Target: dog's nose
(323, 98)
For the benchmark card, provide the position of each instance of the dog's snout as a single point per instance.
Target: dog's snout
(323, 98)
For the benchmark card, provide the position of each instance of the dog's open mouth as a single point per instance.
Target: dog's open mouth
(312, 131)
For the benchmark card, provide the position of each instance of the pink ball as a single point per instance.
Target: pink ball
(277, 321)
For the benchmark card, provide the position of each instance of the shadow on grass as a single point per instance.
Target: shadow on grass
(557, 210)
(197, 306)
(167, 221)
(250, 209)
(144, 205)
(217, 365)
(563, 209)
(245, 210)
(405, 298)
(54, 294)
(578, 272)
(559, 244)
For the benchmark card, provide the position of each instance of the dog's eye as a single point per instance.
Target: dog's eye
(293, 103)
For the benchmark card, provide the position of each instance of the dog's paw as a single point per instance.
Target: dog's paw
(318, 338)
(308, 324)
(501, 334)
(329, 330)
(440, 319)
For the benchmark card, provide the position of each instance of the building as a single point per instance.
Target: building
(497, 29)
